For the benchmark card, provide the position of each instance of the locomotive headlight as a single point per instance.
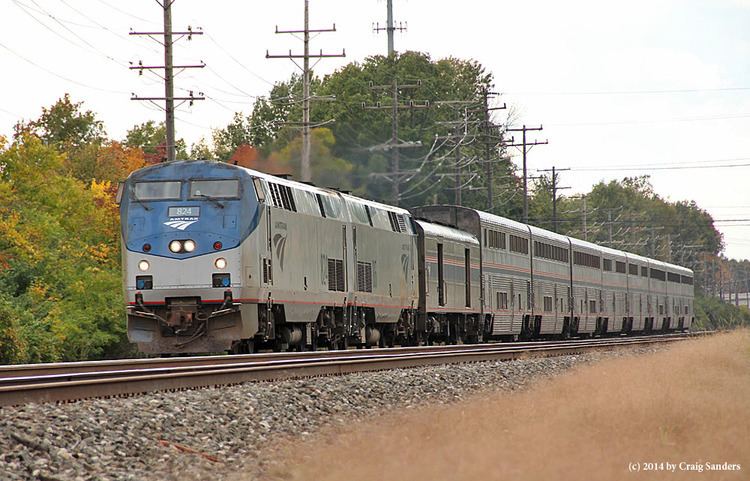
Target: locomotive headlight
(175, 246)
(220, 263)
(143, 265)
(188, 245)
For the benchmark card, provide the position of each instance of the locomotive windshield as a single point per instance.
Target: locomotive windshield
(157, 190)
(215, 189)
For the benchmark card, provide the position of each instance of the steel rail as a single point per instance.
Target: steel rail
(118, 378)
(24, 370)
(230, 362)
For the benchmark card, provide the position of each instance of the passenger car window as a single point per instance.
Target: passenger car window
(169, 190)
(216, 189)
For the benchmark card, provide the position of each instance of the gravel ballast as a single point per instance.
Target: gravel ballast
(211, 433)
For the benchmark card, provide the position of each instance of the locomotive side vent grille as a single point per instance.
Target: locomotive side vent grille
(275, 194)
(282, 196)
(364, 277)
(335, 275)
(397, 221)
(401, 222)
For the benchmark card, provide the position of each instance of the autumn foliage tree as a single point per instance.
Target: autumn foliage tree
(60, 281)
(60, 292)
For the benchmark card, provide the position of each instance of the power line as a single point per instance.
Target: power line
(25, 8)
(44, 12)
(633, 92)
(650, 121)
(212, 39)
(61, 76)
(625, 169)
(124, 12)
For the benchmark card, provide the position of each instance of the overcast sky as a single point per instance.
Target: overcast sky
(656, 87)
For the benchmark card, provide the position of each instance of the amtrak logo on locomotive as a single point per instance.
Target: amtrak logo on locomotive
(181, 223)
(279, 241)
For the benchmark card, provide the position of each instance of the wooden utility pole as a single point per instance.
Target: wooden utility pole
(390, 28)
(305, 170)
(585, 220)
(168, 77)
(490, 146)
(394, 145)
(526, 146)
(555, 189)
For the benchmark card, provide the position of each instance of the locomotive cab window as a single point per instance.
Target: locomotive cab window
(215, 189)
(169, 190)
(260, 192)
(120, 190)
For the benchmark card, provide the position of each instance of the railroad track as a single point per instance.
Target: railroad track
(22, 384)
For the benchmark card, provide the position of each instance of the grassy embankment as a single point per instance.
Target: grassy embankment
(688, 404)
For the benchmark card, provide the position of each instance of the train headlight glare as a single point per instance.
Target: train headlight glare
(220, 263)
(143, 266)
(175, 246)
(188, 245)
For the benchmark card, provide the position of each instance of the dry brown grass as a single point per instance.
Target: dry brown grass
(690, 404)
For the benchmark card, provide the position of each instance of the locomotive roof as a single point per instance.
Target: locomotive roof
(268, 178)
(439, 230)
(372, 203)
(323, 190)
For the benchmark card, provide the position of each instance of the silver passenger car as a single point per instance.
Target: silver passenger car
(536, 283)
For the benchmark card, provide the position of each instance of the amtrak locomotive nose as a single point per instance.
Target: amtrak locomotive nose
(182, 227)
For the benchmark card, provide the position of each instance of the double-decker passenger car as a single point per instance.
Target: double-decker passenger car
(218, 257)
(536, 283)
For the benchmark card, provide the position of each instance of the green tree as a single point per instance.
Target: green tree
(638, 220)
(362, 135)
(228, 139)
(71, 130)
(328, 170)
(65, 126)
(152, 139)
(201, 151)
